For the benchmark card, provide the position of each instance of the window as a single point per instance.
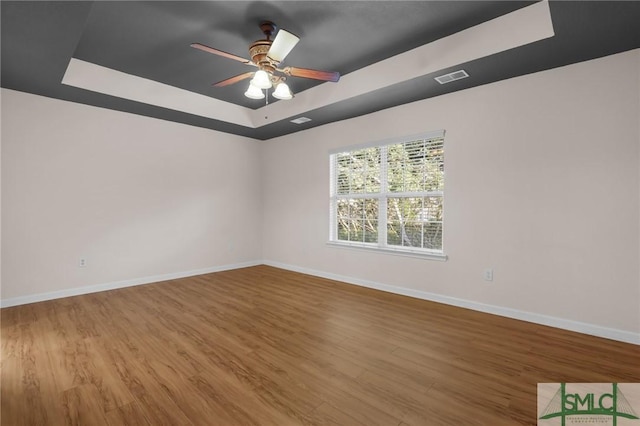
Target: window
(389, 195)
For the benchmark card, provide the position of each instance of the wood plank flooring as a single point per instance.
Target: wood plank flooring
(263, 346)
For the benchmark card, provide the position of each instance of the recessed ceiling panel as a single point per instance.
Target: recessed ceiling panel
(151, 39)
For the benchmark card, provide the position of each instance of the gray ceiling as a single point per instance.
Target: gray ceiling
(151, 40)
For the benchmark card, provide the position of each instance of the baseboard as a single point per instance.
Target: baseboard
(580, 327)
(77, 291)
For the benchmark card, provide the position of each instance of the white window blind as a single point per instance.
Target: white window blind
(389, 195)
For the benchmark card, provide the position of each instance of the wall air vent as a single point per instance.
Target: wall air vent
(452, 76)
(301, 120)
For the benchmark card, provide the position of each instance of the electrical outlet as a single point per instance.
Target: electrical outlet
(82, 263)
(488, 274)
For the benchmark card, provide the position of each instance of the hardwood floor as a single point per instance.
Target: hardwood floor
(263, 346)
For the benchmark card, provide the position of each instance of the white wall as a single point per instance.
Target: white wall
(542, 184)
(0, 196)
(138, 197)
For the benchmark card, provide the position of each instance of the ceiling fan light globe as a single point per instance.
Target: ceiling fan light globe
(282, 92)
(254, 92)
(282, 45)
(262, 80)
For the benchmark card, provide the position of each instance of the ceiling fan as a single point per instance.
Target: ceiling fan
(266, 55)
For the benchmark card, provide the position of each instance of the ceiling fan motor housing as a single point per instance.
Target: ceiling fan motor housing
(258, 52)
(259, 49)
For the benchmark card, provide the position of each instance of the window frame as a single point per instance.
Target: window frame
(383, 195)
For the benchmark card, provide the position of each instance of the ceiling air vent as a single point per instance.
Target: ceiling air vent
(452, 76)
(300, 120)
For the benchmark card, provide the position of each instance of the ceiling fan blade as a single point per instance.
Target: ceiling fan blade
(208, 49)
(314, 74)
(233, 80)
(282, 45)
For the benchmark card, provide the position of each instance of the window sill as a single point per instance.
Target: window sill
(397, 252)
